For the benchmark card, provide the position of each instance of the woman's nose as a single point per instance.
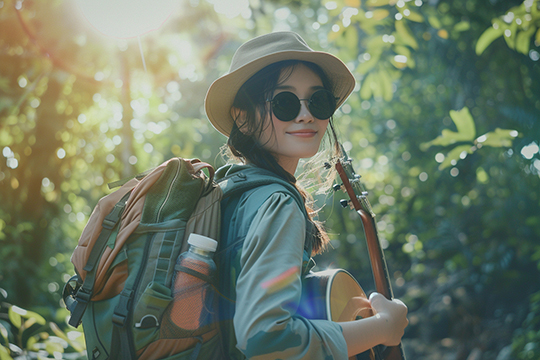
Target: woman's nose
(304, 115)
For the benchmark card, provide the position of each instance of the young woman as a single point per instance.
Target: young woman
(275, 105)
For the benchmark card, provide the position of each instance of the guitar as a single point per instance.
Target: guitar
(326, 293)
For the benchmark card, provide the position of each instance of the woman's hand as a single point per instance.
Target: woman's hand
(385, 327)
(393, 314)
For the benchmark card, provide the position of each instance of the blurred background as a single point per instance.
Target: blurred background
(443, 126)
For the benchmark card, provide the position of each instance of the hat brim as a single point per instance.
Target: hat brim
(221, 94)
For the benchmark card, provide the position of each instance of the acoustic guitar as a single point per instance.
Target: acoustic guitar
(326, 294)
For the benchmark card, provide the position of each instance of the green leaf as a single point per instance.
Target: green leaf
(58, 332)
(386, 85)
(466, 130)
(15, 316)
(4, 354)
(365, 67)
(376, 86)
(497, 138)
(366, 89)
(487, 38)
(464, 123)
(455, 155)
(523, 40)
(4, 333)
(435, 22)
(51, 347)
(404, 35)
(462, 26)
(414, 16)
(31, 342)
(482, 176)
(511, 40)
(402, 50)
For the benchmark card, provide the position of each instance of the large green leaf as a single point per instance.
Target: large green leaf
(487, 38)
(466, 130)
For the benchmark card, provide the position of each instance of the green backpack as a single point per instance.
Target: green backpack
(125, 261)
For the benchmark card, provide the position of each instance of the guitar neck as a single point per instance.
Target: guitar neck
(376, 255)
(360, 203)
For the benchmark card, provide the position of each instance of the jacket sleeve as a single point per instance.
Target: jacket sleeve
(269, 289)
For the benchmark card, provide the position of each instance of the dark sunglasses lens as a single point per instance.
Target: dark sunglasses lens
(322, 104)
(285, 106)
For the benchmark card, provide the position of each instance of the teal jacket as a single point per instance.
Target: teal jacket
(264, 250)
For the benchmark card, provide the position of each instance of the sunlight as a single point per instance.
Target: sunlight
(232, 8)
(127, 18)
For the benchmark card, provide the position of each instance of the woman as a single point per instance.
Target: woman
(275, 105)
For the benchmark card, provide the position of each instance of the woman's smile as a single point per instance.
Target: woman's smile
(305, 133)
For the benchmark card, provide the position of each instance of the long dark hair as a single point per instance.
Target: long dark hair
(243, 143)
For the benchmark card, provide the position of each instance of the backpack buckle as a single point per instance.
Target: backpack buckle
(77, 306)
(113, 217)
(121, 311)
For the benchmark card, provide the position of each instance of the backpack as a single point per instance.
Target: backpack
(125, 259)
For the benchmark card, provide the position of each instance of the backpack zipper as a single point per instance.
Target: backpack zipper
(170, 189)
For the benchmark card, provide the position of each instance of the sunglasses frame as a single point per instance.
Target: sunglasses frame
(310, 102)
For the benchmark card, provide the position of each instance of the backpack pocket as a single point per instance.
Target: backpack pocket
(98, 328)
(148, 313)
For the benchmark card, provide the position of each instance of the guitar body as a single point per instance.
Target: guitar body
(325, 296)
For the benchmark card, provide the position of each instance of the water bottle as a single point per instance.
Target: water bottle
(191, 285)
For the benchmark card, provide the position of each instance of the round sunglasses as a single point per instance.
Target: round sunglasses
(286, 105)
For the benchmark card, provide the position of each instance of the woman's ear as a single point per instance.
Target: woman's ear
(239, 117)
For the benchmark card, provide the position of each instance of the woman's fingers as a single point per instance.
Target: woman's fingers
(394, 314)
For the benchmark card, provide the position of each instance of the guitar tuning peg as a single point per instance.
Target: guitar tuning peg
(337, 187)
(344, 203)
(327, 165)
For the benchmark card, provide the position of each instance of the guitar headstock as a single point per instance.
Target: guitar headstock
(352, 185)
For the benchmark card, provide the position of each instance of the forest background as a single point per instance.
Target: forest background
(444, 127)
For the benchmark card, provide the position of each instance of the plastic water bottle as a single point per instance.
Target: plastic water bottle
(192, 294)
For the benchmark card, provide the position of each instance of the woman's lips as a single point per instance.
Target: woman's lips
(303, 133)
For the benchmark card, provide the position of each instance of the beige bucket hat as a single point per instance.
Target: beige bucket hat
(260, 52)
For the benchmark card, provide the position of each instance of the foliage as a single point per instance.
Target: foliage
(26, 334)
(527, 338)
(457, 212)
(517, 27)
(465, 140)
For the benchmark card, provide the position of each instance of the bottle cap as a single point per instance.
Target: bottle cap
(202, 242)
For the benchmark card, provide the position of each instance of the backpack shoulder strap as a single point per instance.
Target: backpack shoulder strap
(252, 177)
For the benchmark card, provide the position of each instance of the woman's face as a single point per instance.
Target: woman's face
(290, 141)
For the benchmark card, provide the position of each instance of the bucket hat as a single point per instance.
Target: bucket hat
(260, 52)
